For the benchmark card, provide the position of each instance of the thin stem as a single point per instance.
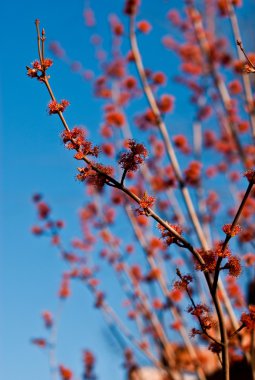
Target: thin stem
(229, 235)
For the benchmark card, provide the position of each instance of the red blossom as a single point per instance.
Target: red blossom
(55, 107)
(193, 173)
(144, 26)
(145, 202)
(234, 266)
(65, 373)
(40, 342)
(116, 119)
(47, 318)
(168, 236)
(94, 177)
(159, 78)
(43, 210)
(89, 17)
(210, 260)
(166, 103)
(64, 291)
(227, 228)
(131, 160)
(37, 230)
(248, 319)
(183, 283)
(235, 87)
(218, 249)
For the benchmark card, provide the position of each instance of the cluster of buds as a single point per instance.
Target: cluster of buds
(55, 107)
(145, 203)
(131, 160)
(76, 139)
(37, 70)
(94, 177)
(168, 236)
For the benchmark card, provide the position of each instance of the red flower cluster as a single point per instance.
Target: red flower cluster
(249, 319)
(210, 260)
(144, 26)
(117, 119)
(76, 139)
(234, 266)
(201, 312)
(38, 70)
(47, 318)
(231, 231)
(43, 210)
(97, 179)
(183, 283)
(55, 107)
(64, 291)
(131, 160)
(223, 6)
(65, 373)
(89, 363)
(169, 236)
(145, 202)
(40, 342)
(166, 103)
(193, 173)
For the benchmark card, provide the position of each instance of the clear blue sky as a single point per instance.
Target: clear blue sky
(35, 161)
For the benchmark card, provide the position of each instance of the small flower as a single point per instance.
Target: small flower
(145, 202)
(55, 107)
(97, 179)
(166, 103)
(65, 373)
(227, 228)
(116, 119)
(47, 63)
(37, 230)
(183, 283)
(64, 291)
(47, 318)
(210, 260)
(169, 236)
(193, 173)
(131, 160)
(153, 275)
(249, 319)
(144, 26)
(234, 266)
(159, 78)
(219, 250)
(43, 210)
(40, 342)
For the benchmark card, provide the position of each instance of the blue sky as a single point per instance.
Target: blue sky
(35, 161)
